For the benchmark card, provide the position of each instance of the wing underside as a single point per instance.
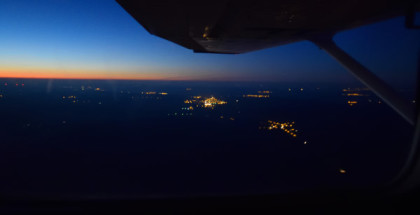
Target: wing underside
(241, 26)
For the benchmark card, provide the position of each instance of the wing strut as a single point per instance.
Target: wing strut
(409, 176)
(374, 83)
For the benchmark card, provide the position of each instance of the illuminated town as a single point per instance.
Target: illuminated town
(351, 103)
(256, 96)
(197, 103)
(287, 127)
(154, 93)
(355, 96)
(211, 102)
(204, 102)
(261, 94)
(72, 99)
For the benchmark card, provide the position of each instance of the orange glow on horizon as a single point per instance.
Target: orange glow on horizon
(87, 74)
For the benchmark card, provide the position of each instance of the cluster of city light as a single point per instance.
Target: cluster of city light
(261, 94)
(256, 96)
(154, 93)
(69, 97)
(206, 102)
(149, 93)
(354, 94)
(351, 103)
(211, 102)
(72, 98)
(286, 127)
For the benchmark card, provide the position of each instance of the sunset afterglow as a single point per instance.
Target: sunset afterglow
(86, 74)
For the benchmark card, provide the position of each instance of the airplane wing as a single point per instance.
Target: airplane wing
(239, 26)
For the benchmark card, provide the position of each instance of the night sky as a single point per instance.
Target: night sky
(99, 40)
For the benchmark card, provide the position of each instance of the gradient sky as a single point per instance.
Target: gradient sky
(99, 40)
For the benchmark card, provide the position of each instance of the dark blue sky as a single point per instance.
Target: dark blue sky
(98, 39)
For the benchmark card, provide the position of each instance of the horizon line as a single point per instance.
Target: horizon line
(150, 79)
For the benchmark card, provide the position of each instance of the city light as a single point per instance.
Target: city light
(149, 93)
(264, 92)
(201, 102)
(153, 93)
(72, 98)
(261, 94)
(354, 94)
(256, 96)
(211, 102)
(351, 103)
(351, 93)
(287, 127)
